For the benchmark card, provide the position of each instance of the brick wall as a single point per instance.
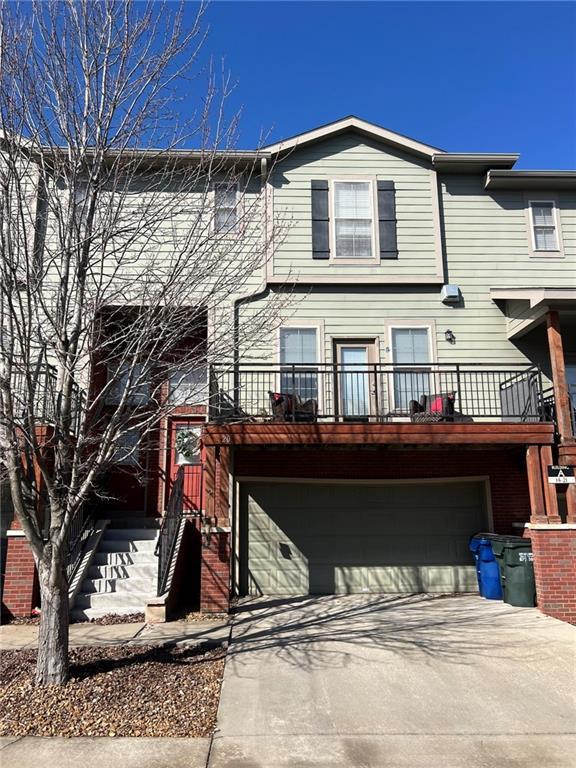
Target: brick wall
(215, 573)
(554, 550)
(21, 592)
(506, 470)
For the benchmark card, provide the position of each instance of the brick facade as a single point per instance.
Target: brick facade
(506, 470)
(554, 549)
(215, 573)
(21, 592)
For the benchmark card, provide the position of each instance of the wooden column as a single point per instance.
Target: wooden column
(210, 484)
(567, 455)
(550, 495)
(537, 504)
(561, 396)
(223, 502)
(571, 504)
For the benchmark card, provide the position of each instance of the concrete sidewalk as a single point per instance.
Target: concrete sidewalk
(25, 636)
(142, 752)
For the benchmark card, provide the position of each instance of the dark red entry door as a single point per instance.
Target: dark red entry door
(185, 451)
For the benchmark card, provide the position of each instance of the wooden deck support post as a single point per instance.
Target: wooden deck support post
(550, 494)
(223, 501)
(567, 455)
(210, 484)
(561, 396)
(537, 504)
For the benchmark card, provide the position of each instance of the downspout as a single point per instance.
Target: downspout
(258, 293)
(236, 303)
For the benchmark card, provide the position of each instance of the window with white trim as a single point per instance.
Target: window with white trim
(410, 348)
(544, 229)
(298, 356)
(225, 207)
(353, 220)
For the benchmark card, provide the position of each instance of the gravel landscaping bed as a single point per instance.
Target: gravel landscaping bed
(118, 691)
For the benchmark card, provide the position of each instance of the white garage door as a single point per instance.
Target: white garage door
(308, 538)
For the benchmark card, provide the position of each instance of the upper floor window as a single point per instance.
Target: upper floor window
(225, 207)
(189, 388)
(127, 378)
(127, 448)
(544, 228)
(353, 220)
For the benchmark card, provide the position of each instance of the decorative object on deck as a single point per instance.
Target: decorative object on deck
(291, 407)
(433, 408)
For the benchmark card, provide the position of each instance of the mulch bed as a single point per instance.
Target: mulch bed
(193, 616)
(116, 691)
(21, 620)
(112, 618)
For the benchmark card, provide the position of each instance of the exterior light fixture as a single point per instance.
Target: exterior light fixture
(449, 336)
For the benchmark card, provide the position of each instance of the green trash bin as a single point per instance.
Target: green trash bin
(514, 557)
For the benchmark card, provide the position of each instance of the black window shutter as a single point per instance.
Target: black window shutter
(387, 220)
(320, 220)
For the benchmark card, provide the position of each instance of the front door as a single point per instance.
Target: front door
(185, 451)
(357, 394)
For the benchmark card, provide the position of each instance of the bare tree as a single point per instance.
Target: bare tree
(113, 257)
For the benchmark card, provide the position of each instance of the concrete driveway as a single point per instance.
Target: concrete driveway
(383, 680)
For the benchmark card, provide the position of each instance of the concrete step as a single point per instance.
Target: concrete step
(134, 522)
(125, 558)
(147, 571)
(107, 586)
(130, 534)
(85, 614)
(127, 545)
(113, 600)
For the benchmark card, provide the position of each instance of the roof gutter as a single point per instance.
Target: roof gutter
(507, 179)
(472, 162)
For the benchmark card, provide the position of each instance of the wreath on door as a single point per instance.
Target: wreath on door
(187, 443)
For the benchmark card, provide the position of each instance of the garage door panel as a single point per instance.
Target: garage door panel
(344, 538)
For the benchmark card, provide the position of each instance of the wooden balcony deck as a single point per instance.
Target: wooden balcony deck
(284, 433)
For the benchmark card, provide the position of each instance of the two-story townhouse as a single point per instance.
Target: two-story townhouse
(416, 388)
(447, 280)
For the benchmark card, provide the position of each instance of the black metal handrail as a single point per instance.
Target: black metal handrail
(164, 550)
(376, 392)
(80, 530)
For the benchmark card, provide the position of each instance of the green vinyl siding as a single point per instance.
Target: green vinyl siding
(347, 157)
(487, 238)
(369, 311)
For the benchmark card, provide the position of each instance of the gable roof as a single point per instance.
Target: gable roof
(352, 123)
(456, 162)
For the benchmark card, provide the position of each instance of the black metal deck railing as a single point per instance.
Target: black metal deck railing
(376, 392)
(38, 392)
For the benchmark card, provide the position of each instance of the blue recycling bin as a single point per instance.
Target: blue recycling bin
(487, 571)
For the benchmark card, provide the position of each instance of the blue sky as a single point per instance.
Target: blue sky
(463, 76)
